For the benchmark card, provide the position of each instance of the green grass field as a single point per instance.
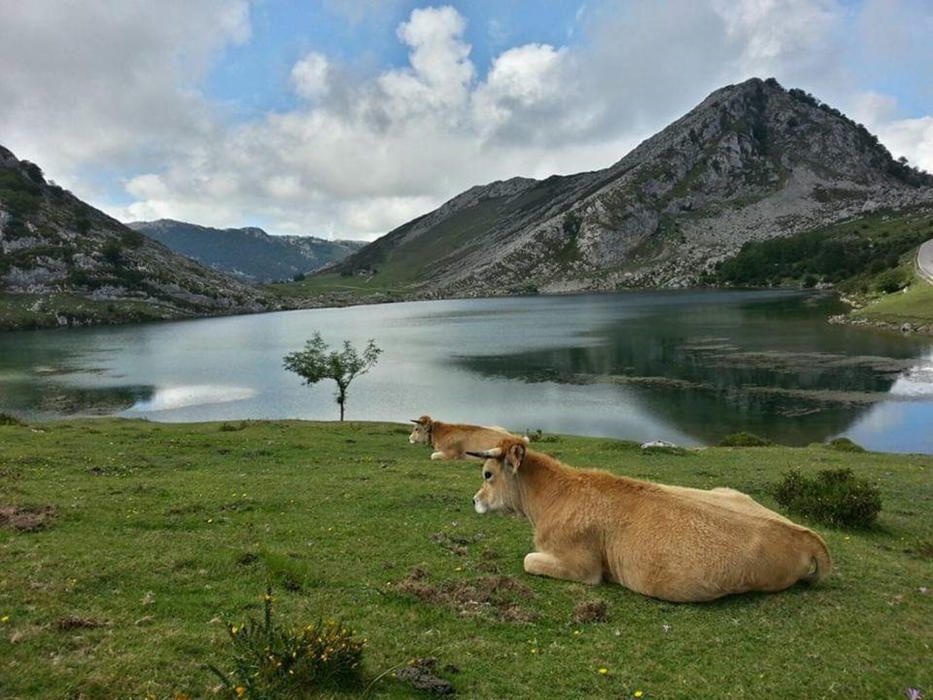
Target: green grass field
(158, 532)
(914, 306)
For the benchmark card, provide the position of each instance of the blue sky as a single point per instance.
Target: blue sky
(346, 118)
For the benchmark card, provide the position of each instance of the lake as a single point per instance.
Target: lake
(685, 366)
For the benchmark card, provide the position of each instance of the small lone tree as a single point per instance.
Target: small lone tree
(317, 361)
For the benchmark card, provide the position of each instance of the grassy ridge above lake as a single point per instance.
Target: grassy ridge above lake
(158, 531)
(913, 306)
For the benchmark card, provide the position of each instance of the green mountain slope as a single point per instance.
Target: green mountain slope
(248, 252)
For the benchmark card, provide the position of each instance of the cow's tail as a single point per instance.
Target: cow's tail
(821, 563)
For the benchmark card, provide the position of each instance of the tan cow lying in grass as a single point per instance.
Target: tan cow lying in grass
(668, 542)
(454, 440)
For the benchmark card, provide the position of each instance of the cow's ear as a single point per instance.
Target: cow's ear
(515, 455)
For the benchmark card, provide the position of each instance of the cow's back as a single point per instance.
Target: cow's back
(688, 544)
(468, 438)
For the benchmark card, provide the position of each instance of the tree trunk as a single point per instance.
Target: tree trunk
(342, 400)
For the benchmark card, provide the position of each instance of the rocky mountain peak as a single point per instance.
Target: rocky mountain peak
(751, 161)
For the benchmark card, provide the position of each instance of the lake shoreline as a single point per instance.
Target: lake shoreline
(55, 321)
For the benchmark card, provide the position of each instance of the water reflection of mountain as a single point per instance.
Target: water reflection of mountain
(720, 369)
(60, 399)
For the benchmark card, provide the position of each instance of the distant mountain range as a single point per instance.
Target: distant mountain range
(753, 161)
(249, 252)
(62, 262)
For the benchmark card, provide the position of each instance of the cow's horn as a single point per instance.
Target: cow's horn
(494, 452)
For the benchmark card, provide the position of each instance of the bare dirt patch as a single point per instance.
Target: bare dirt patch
(421, 674)
(495, 596)
(73, 622)
(590, 611)
(458, 544)
(26, 518)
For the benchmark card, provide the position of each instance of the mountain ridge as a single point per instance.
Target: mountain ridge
(65, 263)
(249, 252)
(750, 162)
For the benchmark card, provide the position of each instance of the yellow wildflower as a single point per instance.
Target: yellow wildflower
(240, 691)
(638, 693)
(603, 671)
(5, 618)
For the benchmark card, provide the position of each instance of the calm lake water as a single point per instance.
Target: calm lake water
(684, 366)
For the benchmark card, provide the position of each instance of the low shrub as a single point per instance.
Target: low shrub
(7, 419)
(844, 444)
(744, 439)
(891, 281)
(834, 496)
(540, 436)
(272, 662)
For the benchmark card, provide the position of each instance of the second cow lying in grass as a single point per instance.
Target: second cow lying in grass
(669, 542)
(455, 440)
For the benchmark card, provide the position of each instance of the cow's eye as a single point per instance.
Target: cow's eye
(487, 475)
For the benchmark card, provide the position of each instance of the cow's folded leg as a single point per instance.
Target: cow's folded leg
(570, 569)
(439, 455)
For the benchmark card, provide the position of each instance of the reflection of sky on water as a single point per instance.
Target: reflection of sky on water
(916, 381)
(901, 426)
(678, 366)
(171, 398)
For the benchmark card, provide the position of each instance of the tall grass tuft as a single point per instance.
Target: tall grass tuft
(271, 662)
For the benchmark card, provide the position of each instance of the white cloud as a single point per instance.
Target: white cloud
(94, 84)
(912, 138)
(310, 75)
(92, 88)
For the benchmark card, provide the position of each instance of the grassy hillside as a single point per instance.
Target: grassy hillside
(914, 305)
(154, 533)
(869, 255)
(34, 311)
(250, 252)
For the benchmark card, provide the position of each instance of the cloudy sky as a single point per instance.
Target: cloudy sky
(345, 118)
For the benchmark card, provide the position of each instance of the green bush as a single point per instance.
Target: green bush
(112, 252)
(7, 419)
(844, 444)
(834, 496)
(132, 239)
(744, 439)
(890, 281)
(271, 662)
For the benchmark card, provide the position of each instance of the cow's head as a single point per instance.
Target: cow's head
(499, 491)
(421, 431)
